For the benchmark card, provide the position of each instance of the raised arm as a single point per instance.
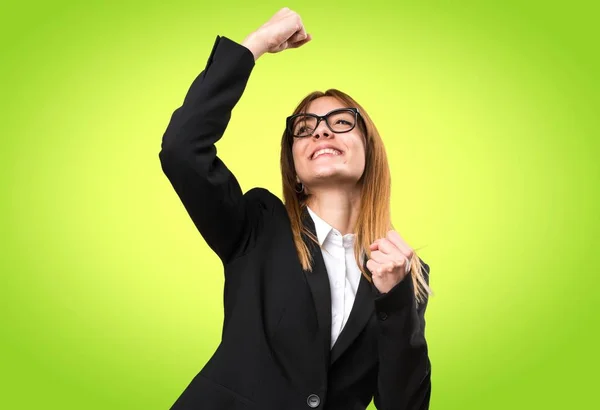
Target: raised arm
(208, 190)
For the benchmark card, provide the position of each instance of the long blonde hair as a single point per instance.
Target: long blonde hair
(374, 219)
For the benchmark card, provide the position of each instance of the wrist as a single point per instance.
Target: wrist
(253, 44)
(395, 298)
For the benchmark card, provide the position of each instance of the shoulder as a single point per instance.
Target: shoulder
(268, 215)
(266, 200)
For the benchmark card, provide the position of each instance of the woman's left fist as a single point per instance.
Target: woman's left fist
(390, 261)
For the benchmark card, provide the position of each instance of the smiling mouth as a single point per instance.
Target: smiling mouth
(326, 151)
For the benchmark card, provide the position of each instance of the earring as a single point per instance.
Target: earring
(301, 188)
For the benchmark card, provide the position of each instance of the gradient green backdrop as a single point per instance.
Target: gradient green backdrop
(490, 114)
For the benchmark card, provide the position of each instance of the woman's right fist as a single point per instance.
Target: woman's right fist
(284, 30)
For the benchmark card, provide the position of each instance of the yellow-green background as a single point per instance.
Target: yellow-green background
(110, 299)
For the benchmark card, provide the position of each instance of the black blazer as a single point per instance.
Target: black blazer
(275, 349)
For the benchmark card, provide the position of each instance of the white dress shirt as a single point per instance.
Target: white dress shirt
(344, 274)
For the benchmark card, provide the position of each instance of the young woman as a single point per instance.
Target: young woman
(324, 302)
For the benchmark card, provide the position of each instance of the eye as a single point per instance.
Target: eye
(304, 125)
(303, 130)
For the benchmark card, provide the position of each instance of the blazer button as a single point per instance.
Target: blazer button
(383, 316)
(313, 401)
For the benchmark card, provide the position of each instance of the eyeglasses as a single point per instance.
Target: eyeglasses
(340, 120)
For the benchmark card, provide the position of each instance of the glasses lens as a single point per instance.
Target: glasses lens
(342, 121)
(304, 125)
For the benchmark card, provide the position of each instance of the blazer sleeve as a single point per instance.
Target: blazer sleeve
(208, 190)
(404, 371)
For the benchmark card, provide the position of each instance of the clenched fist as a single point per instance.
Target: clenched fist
(390, 261)
(284, 30)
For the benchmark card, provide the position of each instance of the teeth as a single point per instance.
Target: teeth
(326, 151)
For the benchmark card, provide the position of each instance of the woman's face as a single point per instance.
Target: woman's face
(326, 157)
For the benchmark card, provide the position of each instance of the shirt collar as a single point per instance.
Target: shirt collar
(323, 228)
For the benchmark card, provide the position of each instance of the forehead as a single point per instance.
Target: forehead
(323, 105)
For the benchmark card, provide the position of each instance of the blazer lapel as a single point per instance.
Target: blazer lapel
(361, 312)
(318, 281)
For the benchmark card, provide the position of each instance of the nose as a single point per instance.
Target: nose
(322, 130)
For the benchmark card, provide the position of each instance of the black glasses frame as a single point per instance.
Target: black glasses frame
(290, 121)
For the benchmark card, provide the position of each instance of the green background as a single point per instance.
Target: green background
(111, 299)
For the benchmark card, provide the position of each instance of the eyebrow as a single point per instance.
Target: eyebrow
(327, 113)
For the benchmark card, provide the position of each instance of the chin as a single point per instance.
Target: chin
(327, 172)
(332, 177)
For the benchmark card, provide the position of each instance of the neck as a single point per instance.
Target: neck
(339, 207)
